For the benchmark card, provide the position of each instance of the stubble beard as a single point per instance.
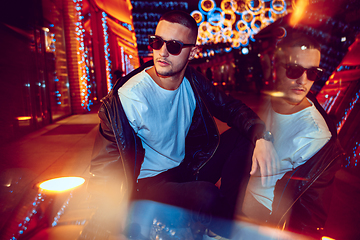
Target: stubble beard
(290, 97)
(294, 100)
(168, 72)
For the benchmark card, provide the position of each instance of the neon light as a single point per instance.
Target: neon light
(228, 6)
(278, 6)
(61, 212)
(24, 118)
(33, 210)
(252, 15)
(206, 5)
(107, 52)
(352, 160)
(329, 103)
(216, 17)
(122, 58)
(256, 6)
(198, 16)
(327, 238)
(82, 53)
(348, 111)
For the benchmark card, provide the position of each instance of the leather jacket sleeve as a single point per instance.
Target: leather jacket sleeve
(105, 152)
(118, 153)
(107, 167)
(302, 196)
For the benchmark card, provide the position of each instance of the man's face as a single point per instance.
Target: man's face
(295, 90)
(165, 63)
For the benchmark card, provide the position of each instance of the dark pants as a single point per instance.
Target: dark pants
(231, 163)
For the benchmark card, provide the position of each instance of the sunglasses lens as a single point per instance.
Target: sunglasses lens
(155, 42)
(314, 74)
(173, 47)
(294, 71)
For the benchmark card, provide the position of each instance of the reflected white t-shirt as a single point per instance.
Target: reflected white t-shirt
(297, 137)
(161, 118)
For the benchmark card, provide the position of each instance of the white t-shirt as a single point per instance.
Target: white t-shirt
(297, 137)
(161, 118)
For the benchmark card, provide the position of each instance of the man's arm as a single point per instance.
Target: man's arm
(110, 173)
(228, 109)
(266, 158)
(237, 114)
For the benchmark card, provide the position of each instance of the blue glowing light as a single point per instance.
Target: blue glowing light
(107, 52)
(244, 50)
(83, 52)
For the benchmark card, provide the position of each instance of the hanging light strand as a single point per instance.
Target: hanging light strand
(107, 52)
(84, 80)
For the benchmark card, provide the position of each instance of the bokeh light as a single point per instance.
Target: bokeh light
(235, 22)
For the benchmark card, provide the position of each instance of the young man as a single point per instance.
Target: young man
(157, 131)
(304, 139)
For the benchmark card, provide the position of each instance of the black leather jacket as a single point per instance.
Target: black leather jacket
(118, 151)
(302, 197)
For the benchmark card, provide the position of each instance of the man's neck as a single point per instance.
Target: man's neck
(166, 82)
(282, 106)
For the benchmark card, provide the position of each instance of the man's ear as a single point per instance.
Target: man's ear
(193, 52)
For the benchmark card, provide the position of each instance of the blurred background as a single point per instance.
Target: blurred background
(59, 58)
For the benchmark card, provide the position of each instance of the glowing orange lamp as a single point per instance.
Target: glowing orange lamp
(61, 184)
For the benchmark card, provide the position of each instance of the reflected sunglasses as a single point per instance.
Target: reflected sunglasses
(173, 47)
(294, 71)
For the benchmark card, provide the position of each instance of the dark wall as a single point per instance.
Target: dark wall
(18, 21)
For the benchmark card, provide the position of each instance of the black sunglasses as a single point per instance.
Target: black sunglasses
(294, 71)
(173, 47)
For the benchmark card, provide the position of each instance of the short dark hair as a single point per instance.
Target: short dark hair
(298, 39)
(184, 19)
(295, 39)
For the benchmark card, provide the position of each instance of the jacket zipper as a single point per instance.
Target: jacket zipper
(217, 130)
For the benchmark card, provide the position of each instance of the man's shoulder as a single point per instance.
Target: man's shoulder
(134, 80)
(134, 85)
(132, 74)
(195, 76)
(312, 123)
(305, 123)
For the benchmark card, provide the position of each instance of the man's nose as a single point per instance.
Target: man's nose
(163, 51)
(302, 79)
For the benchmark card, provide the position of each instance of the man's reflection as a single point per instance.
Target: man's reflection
(299, 191)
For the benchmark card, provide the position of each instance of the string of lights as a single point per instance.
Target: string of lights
(348, 110)
(352, 160)
(82, 55)
(62, 210)
(30, 214)
(107, 52)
